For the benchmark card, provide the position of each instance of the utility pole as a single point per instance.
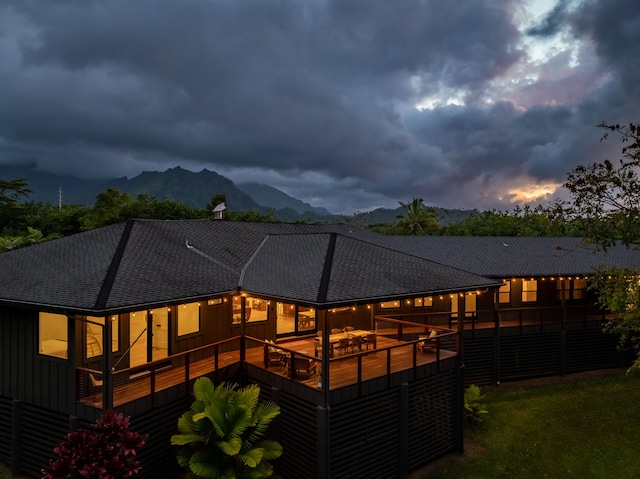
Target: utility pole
(60, 197)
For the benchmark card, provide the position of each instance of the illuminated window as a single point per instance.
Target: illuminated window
(469, 306)
(504, 293)
(563, 287)
(53, 335)
(94, 335)
(426, 301)
(390, 304)
(529, 290)
(188, 318)
(579, 288)
(306, 318)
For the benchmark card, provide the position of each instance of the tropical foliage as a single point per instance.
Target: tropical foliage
(606, 204)
(221, 435)
(108, 450)
(416, 219)
(474, 408)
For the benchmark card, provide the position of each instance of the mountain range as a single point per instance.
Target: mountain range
(195, 189)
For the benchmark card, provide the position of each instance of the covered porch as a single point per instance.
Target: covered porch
(399, 346)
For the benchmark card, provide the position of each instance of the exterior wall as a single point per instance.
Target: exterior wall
(28, 376)
(492, 356)
(383, 430)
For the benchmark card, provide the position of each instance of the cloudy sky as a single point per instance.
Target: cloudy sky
(350, 105)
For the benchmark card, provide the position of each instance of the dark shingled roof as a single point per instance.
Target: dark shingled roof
(499, 257)
(145, 263)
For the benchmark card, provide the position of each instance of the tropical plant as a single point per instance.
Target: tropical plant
(416, 219)
(606, 202)
(220, 436)
(473, 407)
(108, 450)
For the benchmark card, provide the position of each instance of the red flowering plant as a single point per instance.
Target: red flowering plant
(106, 451)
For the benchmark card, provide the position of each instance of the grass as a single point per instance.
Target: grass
(584, 427)
(563, 428)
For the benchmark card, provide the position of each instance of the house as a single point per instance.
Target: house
(329, 320)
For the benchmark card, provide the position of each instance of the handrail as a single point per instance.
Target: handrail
(151, 366)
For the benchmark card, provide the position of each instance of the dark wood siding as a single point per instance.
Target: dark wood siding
(40, 380)
(6, 420)
(44, 429)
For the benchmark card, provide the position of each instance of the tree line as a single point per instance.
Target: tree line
(604, 209)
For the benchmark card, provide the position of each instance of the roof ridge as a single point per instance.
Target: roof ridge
(110, 277)
(326, 271)
(253, 256)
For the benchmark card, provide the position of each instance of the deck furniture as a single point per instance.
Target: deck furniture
(301, 366)
(343, 345)
(370, 339)
(428, 343)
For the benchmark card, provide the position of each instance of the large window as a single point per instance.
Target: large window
(255, 309)
(571, 288)
(470, 307)
(95, 335)
(53, 335)
(188, 318)
(579, 288)
(504, 293)
(529, 290)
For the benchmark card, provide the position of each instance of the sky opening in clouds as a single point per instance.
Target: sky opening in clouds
(349, 105)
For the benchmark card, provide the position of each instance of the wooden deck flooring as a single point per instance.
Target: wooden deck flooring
(343, 369)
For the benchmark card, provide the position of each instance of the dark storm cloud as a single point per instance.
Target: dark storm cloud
(315, 97)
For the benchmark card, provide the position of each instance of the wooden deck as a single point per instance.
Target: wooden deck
(391, 356)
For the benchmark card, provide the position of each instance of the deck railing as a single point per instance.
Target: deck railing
(124, 385)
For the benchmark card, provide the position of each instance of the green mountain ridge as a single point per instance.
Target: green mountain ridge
(196, 189)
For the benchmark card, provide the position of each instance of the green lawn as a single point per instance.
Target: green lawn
(562, 428)
(571, 428)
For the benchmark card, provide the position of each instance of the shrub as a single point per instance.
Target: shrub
(107, 450)
(219, 437)
(473, 408)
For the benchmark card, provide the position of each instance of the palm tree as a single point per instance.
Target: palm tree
(416, 220)
(219, 437)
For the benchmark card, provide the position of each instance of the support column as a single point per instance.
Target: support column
(563, 328)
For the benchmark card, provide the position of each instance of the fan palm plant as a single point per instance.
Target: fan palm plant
(220, 436)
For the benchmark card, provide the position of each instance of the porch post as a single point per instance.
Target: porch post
(461, 315)
(107, 373)
(326, 330)
(496, 349)
(243, 315)
(563, 329)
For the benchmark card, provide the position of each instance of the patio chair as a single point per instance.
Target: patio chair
(370, 339)
(349, 328)
(428, 343)
(356, 342)
(343, 345)
(275, 356)
(302, 365)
